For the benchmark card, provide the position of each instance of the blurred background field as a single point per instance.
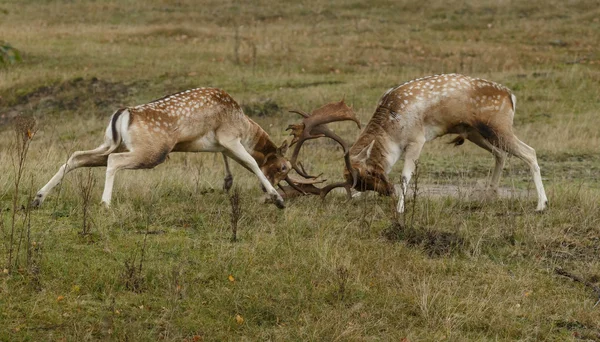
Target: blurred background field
(457, 268)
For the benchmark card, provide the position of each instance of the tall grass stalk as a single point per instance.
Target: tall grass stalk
(24, 131)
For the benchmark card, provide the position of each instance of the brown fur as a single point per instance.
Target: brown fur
(421, 110)
(198, 120)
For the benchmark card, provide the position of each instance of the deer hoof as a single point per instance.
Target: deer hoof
(278, 201)
(542, 207)
(37, 202)
(228, 183)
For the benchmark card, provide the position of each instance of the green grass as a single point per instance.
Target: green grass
(462, 269)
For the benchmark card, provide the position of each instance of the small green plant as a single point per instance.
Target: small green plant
(132, 276)
(342, 282)
(8, 54)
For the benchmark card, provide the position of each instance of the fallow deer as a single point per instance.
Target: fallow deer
(421, 110)
(197, 120)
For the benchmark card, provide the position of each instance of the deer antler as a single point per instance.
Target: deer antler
(313, 126)
(302, 190)
(301, 185)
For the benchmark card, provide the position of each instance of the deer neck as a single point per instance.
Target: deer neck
(259, 144)
(385, 152)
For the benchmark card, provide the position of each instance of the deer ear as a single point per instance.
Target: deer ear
(281, 150)
(363, 155)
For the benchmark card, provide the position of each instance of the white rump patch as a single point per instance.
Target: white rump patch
(123, 128)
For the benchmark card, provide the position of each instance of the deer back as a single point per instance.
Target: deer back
(188, 114)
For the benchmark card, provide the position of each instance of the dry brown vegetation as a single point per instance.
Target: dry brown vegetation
(460, 268)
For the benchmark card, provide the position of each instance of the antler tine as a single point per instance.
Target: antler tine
(347, 184)
(328, 188)
(324, 131)
(353, 171)
(294, 185)
(293, 159)
(303, 190)
(298, 131)
(292, 178)
(313, 126)
(297, 183)
(331, 112)
(300, 134)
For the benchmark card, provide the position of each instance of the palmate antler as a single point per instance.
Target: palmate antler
(300, 186)
(312, 127)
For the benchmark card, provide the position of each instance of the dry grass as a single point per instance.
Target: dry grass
(317, 270)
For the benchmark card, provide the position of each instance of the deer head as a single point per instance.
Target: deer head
(362, 176)
(275, 166)
(367, 175)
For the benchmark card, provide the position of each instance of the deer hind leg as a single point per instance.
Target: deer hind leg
(236, 150)
(228, 180)
(132, 161)
(526, 153)
(499, 156)
(411, 154)
(90, 158)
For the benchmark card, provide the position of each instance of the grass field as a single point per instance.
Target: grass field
(160, 264)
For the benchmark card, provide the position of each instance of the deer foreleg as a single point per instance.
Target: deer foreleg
(236, 150)
(412, 152)
(527, 154)
(228, 180)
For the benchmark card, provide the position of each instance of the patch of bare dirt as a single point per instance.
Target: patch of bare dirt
(72, 95)
(267, 107)
(435, 243)
(579, 330)
(586, 248)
